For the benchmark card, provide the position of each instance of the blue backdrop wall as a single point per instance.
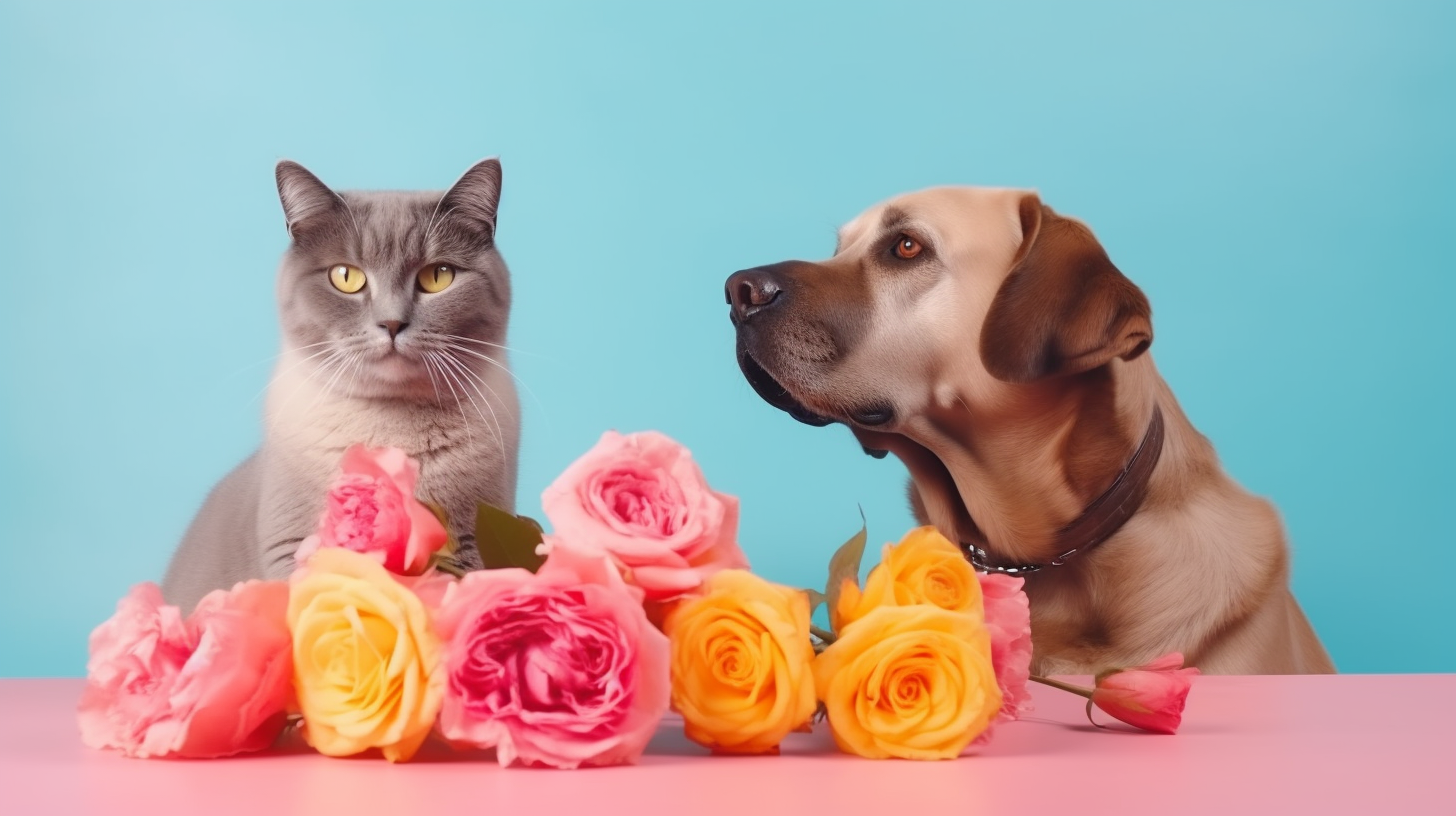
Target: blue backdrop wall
(1277, 176)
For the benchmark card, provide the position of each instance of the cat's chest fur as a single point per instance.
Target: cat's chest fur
(466, 451)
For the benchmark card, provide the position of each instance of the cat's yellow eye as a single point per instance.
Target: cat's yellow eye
(436, 278)
(345, 278)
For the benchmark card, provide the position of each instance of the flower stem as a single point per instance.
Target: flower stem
(823, 634)
(1057, 684)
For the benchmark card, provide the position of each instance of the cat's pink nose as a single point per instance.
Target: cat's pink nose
(394, 327)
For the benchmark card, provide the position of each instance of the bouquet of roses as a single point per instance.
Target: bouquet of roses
(569, 648)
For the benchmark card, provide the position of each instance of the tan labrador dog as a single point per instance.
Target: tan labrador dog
(991, 345)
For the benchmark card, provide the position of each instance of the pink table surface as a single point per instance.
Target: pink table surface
(1258, 745)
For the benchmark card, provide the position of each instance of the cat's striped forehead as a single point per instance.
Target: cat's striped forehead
(402, 231)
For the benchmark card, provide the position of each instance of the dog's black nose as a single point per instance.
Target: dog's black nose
(751, 291)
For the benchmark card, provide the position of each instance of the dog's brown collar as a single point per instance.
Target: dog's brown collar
(1103, 517)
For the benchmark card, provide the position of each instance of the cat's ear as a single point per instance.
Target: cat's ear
(304, 197)
(473, 199)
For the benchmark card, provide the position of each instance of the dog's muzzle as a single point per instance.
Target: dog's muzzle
(750, 294)
(773, 393)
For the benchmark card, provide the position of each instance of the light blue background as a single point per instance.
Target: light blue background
(1279, 178)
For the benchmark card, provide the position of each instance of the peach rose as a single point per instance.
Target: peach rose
(914, 682)
(213, 684)
(741, 663)
(923, 568)
(371, 509)
(560, 668)
(366, 659)
(642, 499)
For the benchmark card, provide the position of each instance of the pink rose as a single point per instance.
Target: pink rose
(642, 499)
(560, 668)
(431, 587)
(1150, 697)
(1008, 619)
(371, 509)
(216, 683)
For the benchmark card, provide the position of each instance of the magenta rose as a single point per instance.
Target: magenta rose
(371, 509)
(1008, 620)
(213, 684)
(642, 499)
(560, 668)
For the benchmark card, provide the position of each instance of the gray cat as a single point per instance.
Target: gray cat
(393, 307)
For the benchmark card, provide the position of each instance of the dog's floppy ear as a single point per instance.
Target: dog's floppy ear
(1064, 308)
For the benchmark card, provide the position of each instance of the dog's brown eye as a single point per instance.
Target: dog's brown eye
(906, 247)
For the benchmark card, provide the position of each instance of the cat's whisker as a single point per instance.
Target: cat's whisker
(351, 358)
(503, 367)
(345, 346)
(455, 346)
(460, 368)
(295, 364)
(358, 232)
(430, 228)
(475, 376)
(334, 356)
(332, 369)
(497, 363)
(486, 343)
(305, 347)
(430, 225)
(354, 371)
(444, 375)
(270, 359)
(430, 372)
(460, 372)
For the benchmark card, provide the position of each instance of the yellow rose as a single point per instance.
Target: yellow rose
(742, 661)
(365, 659)
(924, 568)
(908, 681)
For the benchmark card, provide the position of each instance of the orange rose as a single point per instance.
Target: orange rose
(924, 568)
(742, 663)
(914, 682)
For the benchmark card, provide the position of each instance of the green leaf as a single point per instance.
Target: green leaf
(844, 564)
(506, 540)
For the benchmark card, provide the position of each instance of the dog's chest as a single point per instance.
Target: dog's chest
(1070, 632)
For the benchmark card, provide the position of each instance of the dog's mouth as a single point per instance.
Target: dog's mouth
(775, 394)
(869, 415)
